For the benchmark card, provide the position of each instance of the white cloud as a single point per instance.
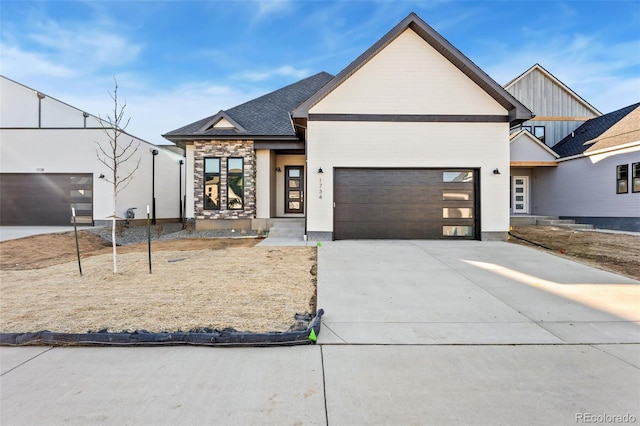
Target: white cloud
(14, 61)
(266, 8)
(283, 71)
(601, 73)
(86, 45)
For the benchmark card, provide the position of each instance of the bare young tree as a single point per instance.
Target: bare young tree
(115, 155)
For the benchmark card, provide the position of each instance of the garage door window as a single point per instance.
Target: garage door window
(457, 231)
(458, 203)
(461, 176)
(457, 213)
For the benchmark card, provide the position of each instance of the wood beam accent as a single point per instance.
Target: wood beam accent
(533, 164)
(545, 118)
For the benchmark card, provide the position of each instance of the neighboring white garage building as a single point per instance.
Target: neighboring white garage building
(48, 164)
(409, 141)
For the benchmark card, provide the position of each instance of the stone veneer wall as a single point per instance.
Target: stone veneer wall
(224, 150)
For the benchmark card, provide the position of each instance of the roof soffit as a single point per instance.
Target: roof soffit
(517, 111)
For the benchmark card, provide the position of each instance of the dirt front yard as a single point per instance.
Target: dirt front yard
(195, 284)
(614, 252)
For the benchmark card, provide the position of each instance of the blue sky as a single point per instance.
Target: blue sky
(179, 61)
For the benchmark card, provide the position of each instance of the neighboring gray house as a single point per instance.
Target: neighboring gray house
(48, 165)
(411, 140)
(558, 109)
(597, 178)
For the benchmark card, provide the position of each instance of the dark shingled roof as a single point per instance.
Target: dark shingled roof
(574, 144)
(268, 115)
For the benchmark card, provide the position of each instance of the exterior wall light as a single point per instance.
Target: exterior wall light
(496, 171)
(320, 170)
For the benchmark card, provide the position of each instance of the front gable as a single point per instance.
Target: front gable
(414, 74)
(409, 77)
(547, 96)
(526, 149)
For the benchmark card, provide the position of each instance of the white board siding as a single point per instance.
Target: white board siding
(74, 151)
(424, 145)
(18, 105)
(409, 77)
(582, 187)
(263, 183)
(524, 149)
(190, 182)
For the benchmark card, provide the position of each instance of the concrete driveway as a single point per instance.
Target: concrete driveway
(415, 332)
(469, 292)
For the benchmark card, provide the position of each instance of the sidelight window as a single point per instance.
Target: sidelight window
(235, 184)
(212, 184)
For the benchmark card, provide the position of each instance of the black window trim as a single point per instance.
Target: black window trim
(229, 174)
(204, 186)
(635, 176)
(619, 168)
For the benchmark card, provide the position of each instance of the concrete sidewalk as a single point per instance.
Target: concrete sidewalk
(415, 332)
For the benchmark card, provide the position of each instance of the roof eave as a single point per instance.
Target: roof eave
(518, 113)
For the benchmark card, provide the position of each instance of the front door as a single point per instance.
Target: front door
(294, 189)
(520, 194)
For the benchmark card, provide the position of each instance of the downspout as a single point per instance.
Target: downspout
(154, 152)
(180, 190)
(40, 96)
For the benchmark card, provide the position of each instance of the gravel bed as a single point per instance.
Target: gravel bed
(166, 231)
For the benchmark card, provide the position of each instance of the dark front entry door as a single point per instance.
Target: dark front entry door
(294, 189)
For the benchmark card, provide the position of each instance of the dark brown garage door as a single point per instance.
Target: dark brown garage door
(45, 199)
(405, 204)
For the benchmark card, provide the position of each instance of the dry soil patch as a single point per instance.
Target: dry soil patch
(196, 283)
(619, 253)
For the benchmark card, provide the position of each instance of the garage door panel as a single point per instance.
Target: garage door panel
(41, 199)
(385, 194)
(404, 204)
(381, 212)
(389, 230)
(357, 177)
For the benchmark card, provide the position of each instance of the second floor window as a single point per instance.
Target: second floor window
(538, 132)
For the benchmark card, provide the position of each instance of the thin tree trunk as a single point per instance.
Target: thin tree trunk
(113, 237)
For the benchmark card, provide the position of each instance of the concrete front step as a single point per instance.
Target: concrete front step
(287, 233)
(287, 228)
(528, 219)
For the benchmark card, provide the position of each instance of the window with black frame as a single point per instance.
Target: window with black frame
(538, 132)
(635, 170)
(622, 179)
(212, 184)
(235, 184)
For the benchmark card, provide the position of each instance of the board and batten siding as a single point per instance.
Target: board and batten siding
(400, 145)
(585, 187)
(546, 98)
(408, 77)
